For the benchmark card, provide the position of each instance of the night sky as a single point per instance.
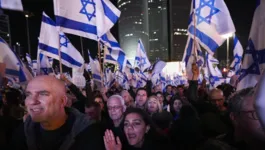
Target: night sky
(241, 12)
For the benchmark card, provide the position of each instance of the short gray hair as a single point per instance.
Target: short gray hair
(236, 100)
(117, 97)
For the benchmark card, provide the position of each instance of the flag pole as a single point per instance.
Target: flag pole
(99, 54)
(82, 48)
(60, 59)
(195, 28)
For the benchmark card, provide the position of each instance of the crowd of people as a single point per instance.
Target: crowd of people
(54, 114)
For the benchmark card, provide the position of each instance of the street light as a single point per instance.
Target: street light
(27, 15)
(227, 36)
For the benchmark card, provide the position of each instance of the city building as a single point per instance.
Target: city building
(158, 30)
(179, 16)
(5, 28)
(133, 25)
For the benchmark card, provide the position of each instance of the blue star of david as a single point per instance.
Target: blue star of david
(253, 68)
(237, 59)
(199, 63)
(85, 11)
(142, 62)
(63, 41)
(213, 79)
(213, 11)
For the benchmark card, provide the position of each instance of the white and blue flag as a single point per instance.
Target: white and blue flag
(11, 4)
(109, 78)
(95, 68)
(86, 18)
(215, 75)
(254, 58)
(189, 56)
(238, 53)
(14, 66)
(28, 58)
(51, 42)
(212, 22)
(113, 52)
(44, 66)
(141, 60)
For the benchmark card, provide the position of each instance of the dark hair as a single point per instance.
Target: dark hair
(168, 86)
(142, 89)
(13, 97)
(171, 103)
(92, 104)
(146, 118)
(159, 93)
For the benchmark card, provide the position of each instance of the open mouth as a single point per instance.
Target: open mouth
(36, 110)
(131, 136)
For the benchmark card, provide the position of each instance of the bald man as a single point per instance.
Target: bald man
(50, 125)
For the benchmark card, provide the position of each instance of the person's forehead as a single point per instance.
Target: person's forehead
(38, 86)
(216, 94)
(133, 116)
(141, 92)
(114, 101)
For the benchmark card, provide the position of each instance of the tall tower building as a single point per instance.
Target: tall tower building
(5, 28)
(158, 30)
(133, 25)
(180, 11)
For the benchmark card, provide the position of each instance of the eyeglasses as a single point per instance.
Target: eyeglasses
(250, 114)
(114, 108)
(216, 100)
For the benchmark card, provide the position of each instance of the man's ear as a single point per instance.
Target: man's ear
(64, 100)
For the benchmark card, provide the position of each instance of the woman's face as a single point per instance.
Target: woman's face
(160, 98)
(135, 129)
(177, 105)
(152, 105)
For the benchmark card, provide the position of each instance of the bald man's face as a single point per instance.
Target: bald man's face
(45, 99)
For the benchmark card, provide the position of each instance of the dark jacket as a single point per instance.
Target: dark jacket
(83, 135)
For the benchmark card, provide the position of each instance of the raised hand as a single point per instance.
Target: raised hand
(110, 142)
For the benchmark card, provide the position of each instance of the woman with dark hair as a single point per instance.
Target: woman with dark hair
(140, 132)
(175, 106)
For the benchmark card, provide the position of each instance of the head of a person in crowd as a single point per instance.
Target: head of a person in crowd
(93, 111)
(227, 89)
(12, 97)
(160, 98)
(157, 88)
(216, 97)
(127, 97)
(153, 105)
(99, 99)
(141, 97)
(174, 90)
(180, 90)
(176, 104)
(169, 89)
(116, 107)
(137, 124)
(46, 100)
(244, 117)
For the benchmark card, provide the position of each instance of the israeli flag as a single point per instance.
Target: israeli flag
(141, 59)
(95, 68)
(51, 42)
(14, 66)
(215, 75)
(254, 58)
(87, 18)
(238, 53)
(113, 53)
(189, 56)
(28, 58)
(213, 21)
(109, 78)
(44, 66)
(11, 4)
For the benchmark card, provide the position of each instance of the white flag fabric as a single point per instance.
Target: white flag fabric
(141, 60)
(87, 18)
(44, 66)
(95, 68)
(11, 4)
(189, 56)
(238, 53)
(14, 66)
(51, 41)
(212, 21)
(215, 75)
(254, 58)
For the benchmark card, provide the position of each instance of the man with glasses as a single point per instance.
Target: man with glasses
(217, 99)
(247, 127)
(116, 107)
